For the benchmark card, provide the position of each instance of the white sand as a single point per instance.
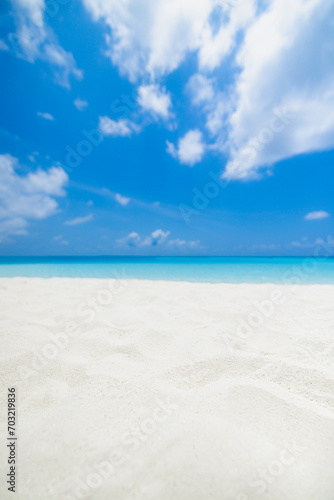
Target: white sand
(162, 395)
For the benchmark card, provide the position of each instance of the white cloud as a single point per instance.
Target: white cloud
(232, 17)
(156, 238)
(217, 115)
(33, 156)
(120, 128)
(286, 64)
(152, 37)
(305, 243)
(27, 197)
(3, 46)
(34, 9)
(79, 220)
(184, 243)
(320, 214)
(60, 240)
(201, 89)
(34, 39)
(266, 246)
(80, 104)
(278, 99)
(190, 148)
(122, 200)
(171, 149)
(151, 98)
(204, 93)
(13, 226)
(64, 62)
(46, 116)
(133, 239)
(50, 182)
(320, 244)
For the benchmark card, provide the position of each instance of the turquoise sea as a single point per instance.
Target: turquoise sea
(299, 270)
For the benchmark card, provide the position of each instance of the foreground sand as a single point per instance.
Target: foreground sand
(138, 390)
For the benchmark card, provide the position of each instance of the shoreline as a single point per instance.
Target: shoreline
(146, 280)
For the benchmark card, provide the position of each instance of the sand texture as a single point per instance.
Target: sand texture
(133, 390)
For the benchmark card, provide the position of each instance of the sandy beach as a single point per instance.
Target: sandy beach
(138, 390)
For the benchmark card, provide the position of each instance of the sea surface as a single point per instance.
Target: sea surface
(284, 270)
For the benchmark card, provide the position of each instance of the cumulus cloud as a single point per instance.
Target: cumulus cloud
(154, 100)
(190, 148)
(46, 116)
(79, 220)
(205, 94)
(317, 215)
(291, 71)
(50, 182)
(278, 99)
(153, 36)
(133, 239)
(117, 128)
(230, 18)
(122, 200)
(156, 238)
(27, 197)
(34, 39)
(80, 104)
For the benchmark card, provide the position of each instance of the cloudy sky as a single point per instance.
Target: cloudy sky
(155, 127)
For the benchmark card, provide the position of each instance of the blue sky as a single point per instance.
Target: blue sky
(166, 128)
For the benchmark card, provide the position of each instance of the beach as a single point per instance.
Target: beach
(137, 389)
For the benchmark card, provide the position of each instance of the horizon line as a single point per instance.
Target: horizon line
(166, 256)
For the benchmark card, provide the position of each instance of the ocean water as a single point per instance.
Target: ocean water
(284, 270)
